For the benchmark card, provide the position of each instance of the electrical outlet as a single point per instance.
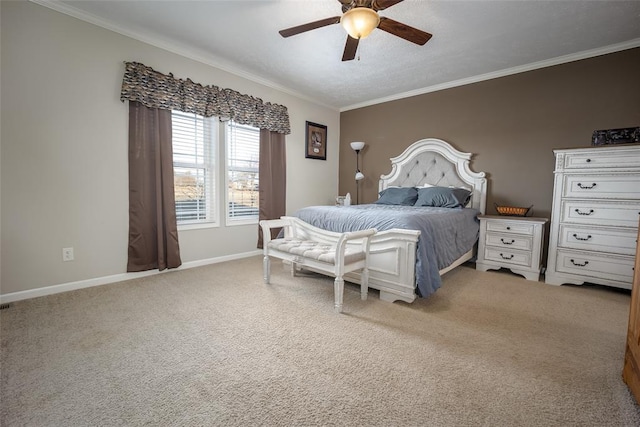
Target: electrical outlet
(67, 254)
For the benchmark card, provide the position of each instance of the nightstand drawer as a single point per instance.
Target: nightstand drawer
(520, 227)
(508, 257)
(623, 214)
(613, 240)
(595, 265)
(602, 187)
(509, 241)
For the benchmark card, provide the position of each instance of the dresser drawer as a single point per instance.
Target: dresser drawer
(506, 256)
(602, 159)
(591, 264)
(623, 214)
(519, 227)
(613, 240)
(509, 241)
(602, 187)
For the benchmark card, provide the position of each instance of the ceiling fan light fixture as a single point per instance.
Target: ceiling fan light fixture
(360, 21)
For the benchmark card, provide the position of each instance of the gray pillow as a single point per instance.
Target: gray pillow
(443, 197)
(398, 196)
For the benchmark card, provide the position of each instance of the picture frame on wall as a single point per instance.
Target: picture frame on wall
(316, 141)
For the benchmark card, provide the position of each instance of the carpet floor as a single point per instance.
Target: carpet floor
(215, 346)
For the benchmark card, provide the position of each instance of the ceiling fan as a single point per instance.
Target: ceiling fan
(360, 18)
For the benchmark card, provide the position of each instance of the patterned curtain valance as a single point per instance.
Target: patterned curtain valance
(157, 90)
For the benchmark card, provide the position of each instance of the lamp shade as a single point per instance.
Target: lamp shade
(359, 176)
(357, 146)
(360, 21)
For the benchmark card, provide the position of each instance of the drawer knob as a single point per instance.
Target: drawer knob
(588, 160)
(584, 239)
(577, 264)
(586, 187)
(584, 213)
(508, 228)
(508, 243)
(507, 257)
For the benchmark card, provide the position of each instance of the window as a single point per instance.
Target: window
(194, 142)
(242, 154)
(196, 171)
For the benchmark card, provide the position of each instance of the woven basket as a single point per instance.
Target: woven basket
(512, 210)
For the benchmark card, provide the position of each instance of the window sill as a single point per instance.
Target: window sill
(197, 226)
(233, 223)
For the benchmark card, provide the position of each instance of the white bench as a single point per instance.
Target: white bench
(327, 252)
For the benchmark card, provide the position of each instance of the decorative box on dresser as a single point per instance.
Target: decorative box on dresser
(594, 220)
(511, 242)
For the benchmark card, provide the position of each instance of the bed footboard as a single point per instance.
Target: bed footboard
(392, 260)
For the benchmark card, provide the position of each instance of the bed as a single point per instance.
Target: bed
(409, 254)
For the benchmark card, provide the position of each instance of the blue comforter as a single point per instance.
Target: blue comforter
(445, 234)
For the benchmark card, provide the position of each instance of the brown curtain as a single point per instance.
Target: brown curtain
(273, 178)
(153, 230)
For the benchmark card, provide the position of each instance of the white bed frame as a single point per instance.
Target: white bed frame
(393, 252)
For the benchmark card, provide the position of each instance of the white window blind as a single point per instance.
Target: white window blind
(194, 167)
(243, 152)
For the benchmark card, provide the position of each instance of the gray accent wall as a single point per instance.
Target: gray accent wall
(511, 124)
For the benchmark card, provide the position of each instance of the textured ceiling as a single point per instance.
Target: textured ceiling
(472, 40)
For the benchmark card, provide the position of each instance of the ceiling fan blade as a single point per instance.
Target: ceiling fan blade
(383, 4)
(350, 49)
(309, 26)
(404, 31)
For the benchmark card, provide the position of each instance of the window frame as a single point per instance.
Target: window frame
(229, 220)
(211, 138)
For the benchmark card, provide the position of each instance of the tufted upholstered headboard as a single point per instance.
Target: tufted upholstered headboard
(435, 162)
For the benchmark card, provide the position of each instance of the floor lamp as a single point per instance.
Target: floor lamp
(357, 146)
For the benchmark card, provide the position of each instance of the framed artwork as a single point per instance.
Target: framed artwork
(316, 141)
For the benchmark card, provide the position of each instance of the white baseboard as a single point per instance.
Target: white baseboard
(98, 281)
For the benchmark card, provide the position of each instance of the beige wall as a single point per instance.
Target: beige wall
(512, 124)
(64, 179)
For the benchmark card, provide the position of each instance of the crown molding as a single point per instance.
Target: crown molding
(177, 48)
(502, 73)
(216, 62)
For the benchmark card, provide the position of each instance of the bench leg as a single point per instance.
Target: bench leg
(293, 269)
(338, 291)
(364, 284)
(266, 269)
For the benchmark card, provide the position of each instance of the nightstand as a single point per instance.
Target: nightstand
(511, 242)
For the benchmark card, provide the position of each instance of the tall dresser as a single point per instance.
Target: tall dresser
(594, 221)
